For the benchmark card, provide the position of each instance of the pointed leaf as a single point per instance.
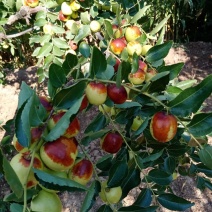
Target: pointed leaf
(158, 52)
(173, 202)
(201, 121)
(170, 164)
(106, 74)
(108, 27)
(44, 50)
(56, 75)
(60, 43)
(83, 32)
(152, 157)
(135, 208)
(98, 62)
(144, 199)
(57, 183)
(205, 155)
(12, 178)
(117, 173)
(70, 62)
(160, 177)
(105, 162)
(139, 14)
(190, 100)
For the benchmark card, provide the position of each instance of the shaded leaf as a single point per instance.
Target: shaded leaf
(105, 162)
(83, 32)
(135, 208)
(70, 62)
(144, 199)
(139, 14)
(160, 177)
(105, 208)
(205, 155)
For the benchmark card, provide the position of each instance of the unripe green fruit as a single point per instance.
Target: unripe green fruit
(95, 26)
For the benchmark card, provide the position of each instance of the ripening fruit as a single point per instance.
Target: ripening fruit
(137, 121)
(117, 32)
(134, 47)
(74, 6)
(149, 74)
(21, 163)
(46, 102)
(117, 45)
(73, 128)
(31, 3)
(84, 103)
(66, 8)
(95, 26)
(117, 94)
(81, 172)
(142, 65)
(111, 142)
(63, 17)
(132, 33)
(163, 126)
(138, 77)
(60, 154)
(96, 93)
(45, 201)
(110, 195)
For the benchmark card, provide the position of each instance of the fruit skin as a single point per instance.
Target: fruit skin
(95, 26)
(138, 77)
(163, 126)
(69, 24)
(81, 172)
(96, 93)
(73, 128)
(145, 49)
(84, 103)
(46, 201)
(134, 47)
(132, 33)
(66, 8)
(137, 121)
(60, 154)
(46, 102)
(142, 65)
(149, 74)
(117, 94)
(47, 29)
(21, 162)
(116, 66)
(63, 17)
(31, 3)
(117, 46)
(111, 142)
(73, 45)
(117, 32)
(110, 195)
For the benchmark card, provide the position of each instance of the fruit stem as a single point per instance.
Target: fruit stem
(25, 183)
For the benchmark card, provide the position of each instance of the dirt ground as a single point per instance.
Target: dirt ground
(198, 64)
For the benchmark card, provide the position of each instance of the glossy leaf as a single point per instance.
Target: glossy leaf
(186, 84)
(70, 62)
(128, 105)
(205, 155)
(169, 164)
(108, 27)
(56, 75)
(84, 31)
(12, 178)
(201, 121)
(98, 62)
(190, 100)
(15, 207)
(98, 123)
(139, 14)
(105, 162)
(117, 173)
(135, 208)
(141, 128)
(153, 157)
(57, 183)
(65, 98)
(173, 202)
(160, 177)
(144, 199)
(90, 196)
(107, 74)
(158, 52)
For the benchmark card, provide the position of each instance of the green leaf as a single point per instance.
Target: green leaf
(60, 43)
(176, 150)
(158, 52)
(128, 105)
(169, 164)
(117, 173)
(14, 207)
(58, 29)
(45, 39)
(159, 26)
(57, 75)
(130, 181)
(85, 17)
(152, 157)
(63, 123)
(173, 202)
(12, 178)
(65, 98)
(98, 123)
(186, 84)
(135, 208)
(1, 162)
(90, 196)
(84, 31)
(105, 162)
(139, 14)
(70, 62)
(141, 128)
(107, 74)
(84, 49)
(93, 135)
(108, 28)
(160, 177)
(98, 62)
(173, 69)
(190, 100)
(105, 208)
(144, 199)
(45, 50)
(201, 121)
(205, 155)
(57, 183)
(57, 51)
(40, 22)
